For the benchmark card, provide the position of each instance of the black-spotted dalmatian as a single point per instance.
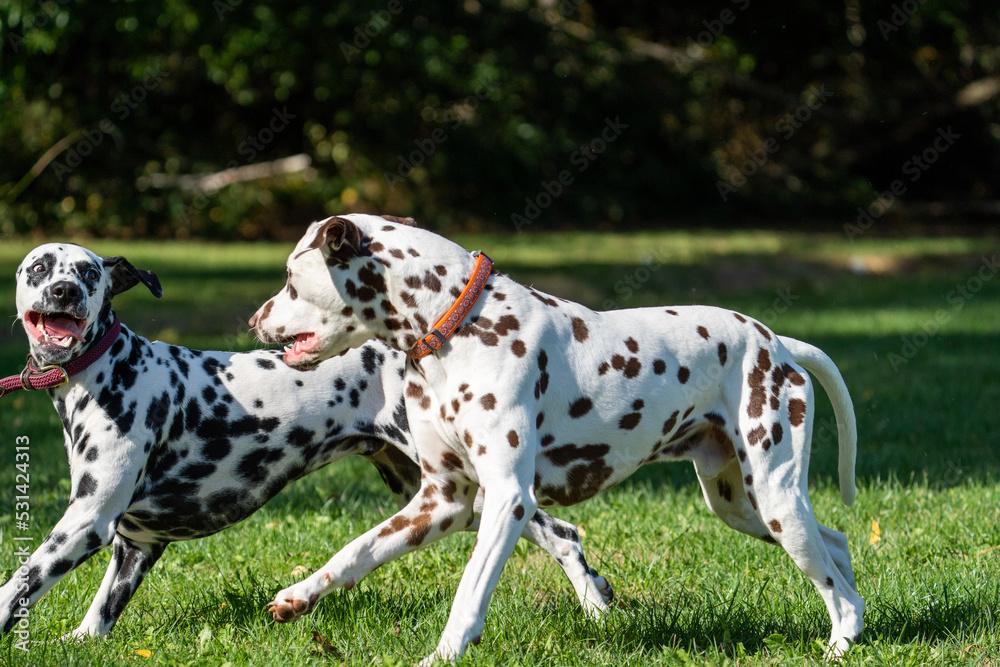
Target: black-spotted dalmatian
(167, 443)
(543, 402)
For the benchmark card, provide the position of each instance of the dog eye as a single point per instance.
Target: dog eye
(91, 275)
(38, 268)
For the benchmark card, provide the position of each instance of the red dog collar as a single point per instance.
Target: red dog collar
(50, 377)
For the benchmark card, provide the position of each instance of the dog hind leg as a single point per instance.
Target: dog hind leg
(130, 562)
(561, 540)
(780, 472)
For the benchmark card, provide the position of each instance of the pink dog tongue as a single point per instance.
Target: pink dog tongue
(63, 327)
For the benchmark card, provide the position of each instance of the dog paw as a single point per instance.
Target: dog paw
(286, 607)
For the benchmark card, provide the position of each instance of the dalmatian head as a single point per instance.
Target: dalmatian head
(316, 314)
(64, 294)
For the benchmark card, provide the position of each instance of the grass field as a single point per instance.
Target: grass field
(914, 326)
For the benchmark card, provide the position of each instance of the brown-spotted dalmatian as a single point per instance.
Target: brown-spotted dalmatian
(541, 402)
(167, 443)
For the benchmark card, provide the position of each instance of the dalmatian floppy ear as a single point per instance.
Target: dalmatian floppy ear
(124, 277)
(341, 237)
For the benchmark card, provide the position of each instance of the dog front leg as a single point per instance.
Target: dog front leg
(442, 506)
(130, 562)
(509, 501)
(75, 538)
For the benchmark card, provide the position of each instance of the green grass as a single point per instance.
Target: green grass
(689, 590)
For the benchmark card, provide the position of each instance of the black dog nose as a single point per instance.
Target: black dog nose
(64, 292)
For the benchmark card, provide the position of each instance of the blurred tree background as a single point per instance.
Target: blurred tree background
(234, 119)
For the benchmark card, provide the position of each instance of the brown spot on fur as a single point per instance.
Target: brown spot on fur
(548, 301)
(396, 524)
(776, 433)
(507, 324)
(632, 368)
(419, 530)
(659, 366)
(518, 348)
(793, 375)
(763, 332)
(796, 411)
(489, 401)
(775, 526)
(408, 299)
(748, 480)
(683, 373)
(580, 407)
(632, 346)
(630, 421)
(723, 353)
(753, 501)
(703, 332)
(742, 453)
(397, 253)
(451, 462)
(441, 270)
(413, 252)
(467, 438)
(580, 330)
(446, 524)
(671, 312)
(756, 435)
(740, 318)
(603, 368)
(519, 512)
(512, 439)
(539, 420)
(725, 491)
(431, 282)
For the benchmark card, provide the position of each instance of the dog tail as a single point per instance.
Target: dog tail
(822, 367)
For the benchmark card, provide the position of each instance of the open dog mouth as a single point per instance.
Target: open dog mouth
(303, 349)
(56, 329)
